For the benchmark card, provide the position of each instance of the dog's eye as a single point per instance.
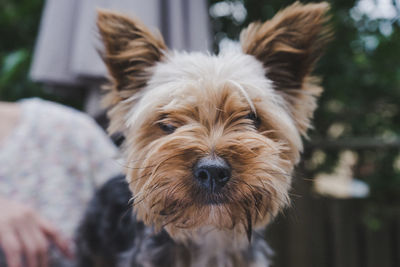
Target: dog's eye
(253, 117)
(167, 128)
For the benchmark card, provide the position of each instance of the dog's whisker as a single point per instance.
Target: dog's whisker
(138, 168)
(280, 173)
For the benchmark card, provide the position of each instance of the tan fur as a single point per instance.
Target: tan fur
(207, 99)
(289, 45)
(165, 191)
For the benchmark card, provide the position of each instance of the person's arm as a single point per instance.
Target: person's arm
(24, 233)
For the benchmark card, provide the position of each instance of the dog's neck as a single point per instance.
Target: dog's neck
(208, 247)
(212, 247)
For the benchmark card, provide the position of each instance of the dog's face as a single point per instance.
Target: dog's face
(211, 141)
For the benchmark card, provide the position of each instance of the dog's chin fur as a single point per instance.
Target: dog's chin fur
(109, 236)
(248, 107)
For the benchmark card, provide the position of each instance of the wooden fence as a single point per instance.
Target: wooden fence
(324, 232)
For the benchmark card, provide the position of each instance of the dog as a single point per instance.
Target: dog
(210, 145)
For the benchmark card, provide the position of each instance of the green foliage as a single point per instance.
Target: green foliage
(361, 77)
(19, 22)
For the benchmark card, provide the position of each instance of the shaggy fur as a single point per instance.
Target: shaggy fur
(110, 236)
(248, 107)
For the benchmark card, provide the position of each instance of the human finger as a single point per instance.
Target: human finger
(41, 245)
(51, 232)
(29, 247)
(12, 249)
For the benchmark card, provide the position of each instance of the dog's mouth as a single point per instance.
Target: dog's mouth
(214, 198)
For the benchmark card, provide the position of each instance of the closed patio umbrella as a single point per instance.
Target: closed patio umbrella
(65, 52)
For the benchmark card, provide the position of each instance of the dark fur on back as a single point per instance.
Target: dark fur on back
(108, 226)
(110, 236)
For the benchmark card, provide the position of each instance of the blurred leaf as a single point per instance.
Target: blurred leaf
(12, 60)
(11, 63)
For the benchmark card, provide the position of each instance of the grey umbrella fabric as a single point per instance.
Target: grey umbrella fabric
(65, 50)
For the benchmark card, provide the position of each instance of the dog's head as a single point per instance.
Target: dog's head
(211, 140)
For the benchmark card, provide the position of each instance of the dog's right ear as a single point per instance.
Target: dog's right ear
(130, 51)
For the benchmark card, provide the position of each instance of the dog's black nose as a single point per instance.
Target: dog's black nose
(212, 172)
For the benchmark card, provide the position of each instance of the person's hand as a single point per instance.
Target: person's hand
(25, 234)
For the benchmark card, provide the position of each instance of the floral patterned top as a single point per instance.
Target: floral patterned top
(54, 160)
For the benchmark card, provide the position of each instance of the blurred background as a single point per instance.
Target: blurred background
(346, 196)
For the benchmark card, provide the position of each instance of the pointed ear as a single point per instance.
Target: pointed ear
(289, 45)
(130, 50)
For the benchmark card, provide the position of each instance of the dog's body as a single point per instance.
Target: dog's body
(210, 140)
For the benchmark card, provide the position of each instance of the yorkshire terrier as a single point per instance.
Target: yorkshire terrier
(210, 142)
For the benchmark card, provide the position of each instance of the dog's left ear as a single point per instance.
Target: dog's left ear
(130, 52)
(289, 45)
(131, 49)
